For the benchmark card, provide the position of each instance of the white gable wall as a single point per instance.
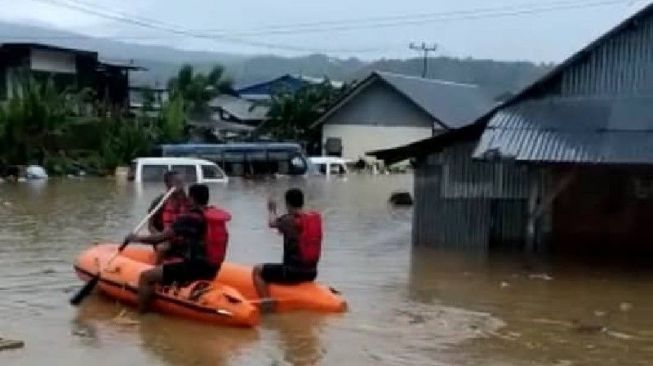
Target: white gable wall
(378, 117)
(359, 139)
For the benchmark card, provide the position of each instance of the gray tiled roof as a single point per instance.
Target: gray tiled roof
(453, 104)
(607, 130)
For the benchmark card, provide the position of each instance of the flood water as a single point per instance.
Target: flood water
(408, 306)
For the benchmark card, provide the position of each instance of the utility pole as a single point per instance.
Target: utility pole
(424, 49)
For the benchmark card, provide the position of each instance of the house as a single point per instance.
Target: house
(388, 110)
(566, 165)
(139, 95)
(67, 68)
(288, 82)
(232, 118)
(235, 117)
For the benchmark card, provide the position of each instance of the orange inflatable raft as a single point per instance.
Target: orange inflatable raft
(310, 296)
(207, 301)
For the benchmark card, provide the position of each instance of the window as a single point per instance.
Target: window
(188, 172)
(333, 146)
(278, 155)
(211, 172)
(256, 156)
(234, 156)
(336, 169)
(153, 173)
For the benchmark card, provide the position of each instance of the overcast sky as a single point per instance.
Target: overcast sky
(500, 29)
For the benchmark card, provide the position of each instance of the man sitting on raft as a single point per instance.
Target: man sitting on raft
(177, 205)
(302, 243)
(202, 233)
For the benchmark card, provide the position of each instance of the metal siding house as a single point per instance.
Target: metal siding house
(388, 110)
(462, 203)
(563, 166)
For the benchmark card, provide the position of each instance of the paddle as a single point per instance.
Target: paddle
(90, 285)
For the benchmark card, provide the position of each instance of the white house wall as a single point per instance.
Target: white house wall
(359, 139)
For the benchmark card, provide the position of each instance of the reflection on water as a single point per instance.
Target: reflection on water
(408, 306)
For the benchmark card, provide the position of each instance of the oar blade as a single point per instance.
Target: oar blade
(84, 291)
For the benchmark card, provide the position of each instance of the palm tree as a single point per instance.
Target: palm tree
(197, 89)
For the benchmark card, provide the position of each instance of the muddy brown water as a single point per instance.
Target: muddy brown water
(408, 306)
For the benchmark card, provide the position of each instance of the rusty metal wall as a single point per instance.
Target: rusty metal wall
(622, 65)
(466, 204)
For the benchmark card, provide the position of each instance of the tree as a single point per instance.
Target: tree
(291, 114)
(171, 120)
(32, 119)
(197, 89)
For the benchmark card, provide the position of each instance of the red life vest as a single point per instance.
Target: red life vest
(216, 236)
(309, 226)
(172, 209)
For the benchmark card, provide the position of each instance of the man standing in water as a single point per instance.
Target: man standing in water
(201, 232)
(177, 205)
(302, 242)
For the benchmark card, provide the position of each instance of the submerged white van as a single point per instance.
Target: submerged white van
(192, 170)
(328, 165)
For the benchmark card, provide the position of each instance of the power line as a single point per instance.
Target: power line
(424, 49)
(419, 17)
(317, 27)
(433, 18)
(159, 26)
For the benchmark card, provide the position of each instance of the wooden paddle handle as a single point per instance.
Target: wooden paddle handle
(147, 218)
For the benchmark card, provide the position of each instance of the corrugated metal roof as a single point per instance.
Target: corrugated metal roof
(453, 104)
(572, 130)
(240, 108)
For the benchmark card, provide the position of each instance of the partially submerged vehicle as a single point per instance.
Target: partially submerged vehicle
(193, 170)
(328, 166)
(245, 159)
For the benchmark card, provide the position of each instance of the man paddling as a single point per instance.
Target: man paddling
(177, 205)
(302, 242)
(201, 232)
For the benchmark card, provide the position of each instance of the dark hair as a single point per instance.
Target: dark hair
(167, 176)
(199, 193)
(295, 198)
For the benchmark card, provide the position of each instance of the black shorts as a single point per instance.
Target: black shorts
(185, 272)
(280, 273)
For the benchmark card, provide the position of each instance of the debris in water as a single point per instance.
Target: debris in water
(7, 344)
(7, 203)
(505, 284)
(511, 336)
(81, 332)
(563, 363)
(625, 307)
(123, 319)
(618, 335)
(552, 322)
(599, 313)
(588, 328)
(540, 276)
